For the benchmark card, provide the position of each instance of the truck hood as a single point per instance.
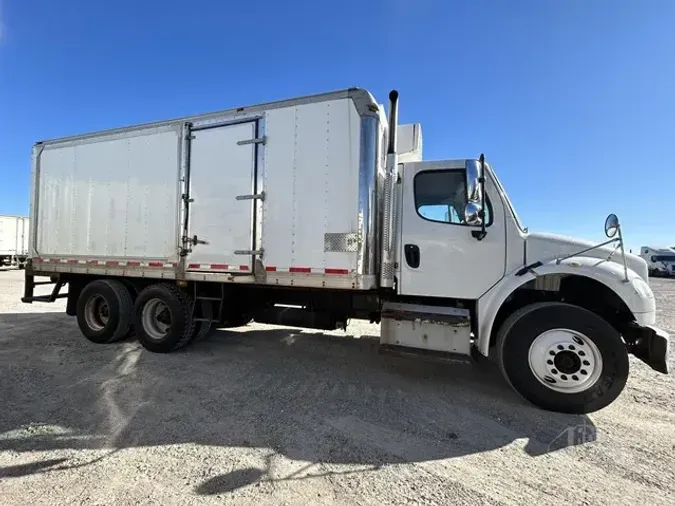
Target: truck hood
(547, 247)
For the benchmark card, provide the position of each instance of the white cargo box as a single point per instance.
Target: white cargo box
(14, 236)
(281, 193)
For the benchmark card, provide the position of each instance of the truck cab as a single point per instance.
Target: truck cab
(563, 306)
(558, 304)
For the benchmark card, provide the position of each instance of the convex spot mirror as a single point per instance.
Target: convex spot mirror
(611, 225)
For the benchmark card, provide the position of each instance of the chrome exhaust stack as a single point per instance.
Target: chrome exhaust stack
(387, 253)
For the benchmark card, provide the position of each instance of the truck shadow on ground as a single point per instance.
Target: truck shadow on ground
(303, 395)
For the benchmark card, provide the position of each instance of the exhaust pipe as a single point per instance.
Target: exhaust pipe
(387, 253)
(393, 121)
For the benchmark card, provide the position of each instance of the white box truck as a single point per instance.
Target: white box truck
(312, 211)
(660, 261)
(14, 240)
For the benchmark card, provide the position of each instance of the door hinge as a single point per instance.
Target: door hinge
(255, 196)
(258, 252)
(186, 248)
(257, 140)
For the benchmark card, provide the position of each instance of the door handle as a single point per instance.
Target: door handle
(196, 241)
(412, 255)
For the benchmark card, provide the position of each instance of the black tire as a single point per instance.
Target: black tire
(178, 306)
(104, 310)
(203, 329)
(518, 333)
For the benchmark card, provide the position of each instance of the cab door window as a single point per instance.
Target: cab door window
(440, 195)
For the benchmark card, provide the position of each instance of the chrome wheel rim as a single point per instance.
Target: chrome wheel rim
(565, 360)
(156, 319)
(96, 312)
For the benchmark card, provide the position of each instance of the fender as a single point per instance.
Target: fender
(635, 293)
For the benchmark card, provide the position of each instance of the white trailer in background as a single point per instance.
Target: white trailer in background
(312, 211)
(660, 261)
(14, 237)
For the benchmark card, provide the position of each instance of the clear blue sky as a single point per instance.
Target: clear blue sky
(572, 101)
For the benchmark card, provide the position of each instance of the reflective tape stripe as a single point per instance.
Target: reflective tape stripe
(300, 269)
(212, 267)
(336, 271)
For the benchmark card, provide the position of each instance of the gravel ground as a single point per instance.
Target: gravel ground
(271, 415)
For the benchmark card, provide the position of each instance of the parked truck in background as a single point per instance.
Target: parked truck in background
(312, 211)
(14, 240)
(660, 261)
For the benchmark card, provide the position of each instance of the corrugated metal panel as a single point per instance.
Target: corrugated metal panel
(110, 196)
(311, 181)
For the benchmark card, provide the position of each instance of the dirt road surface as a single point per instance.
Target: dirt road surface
(271, 415)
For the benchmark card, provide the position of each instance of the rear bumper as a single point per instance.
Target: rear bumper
(650, 344)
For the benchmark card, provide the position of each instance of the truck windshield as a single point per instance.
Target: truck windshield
(505, 198)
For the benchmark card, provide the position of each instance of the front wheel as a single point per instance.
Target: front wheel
(562, 357)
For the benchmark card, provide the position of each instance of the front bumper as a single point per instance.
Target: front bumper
(650, 344)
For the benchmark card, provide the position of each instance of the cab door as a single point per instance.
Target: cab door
(442, 256)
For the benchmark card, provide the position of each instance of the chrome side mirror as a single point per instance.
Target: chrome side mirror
(472, 214)
(475, 196)
(473, 186)
(611, 225)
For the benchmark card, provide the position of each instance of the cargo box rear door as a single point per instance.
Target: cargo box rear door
(222, 174)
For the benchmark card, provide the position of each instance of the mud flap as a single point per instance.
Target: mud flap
(651, 345)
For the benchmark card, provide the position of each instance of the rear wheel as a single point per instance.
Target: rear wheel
(562, 357)
(163, 318)
(104, 311)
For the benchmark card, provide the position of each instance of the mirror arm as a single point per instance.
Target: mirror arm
(613, 239)
(623, 254)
